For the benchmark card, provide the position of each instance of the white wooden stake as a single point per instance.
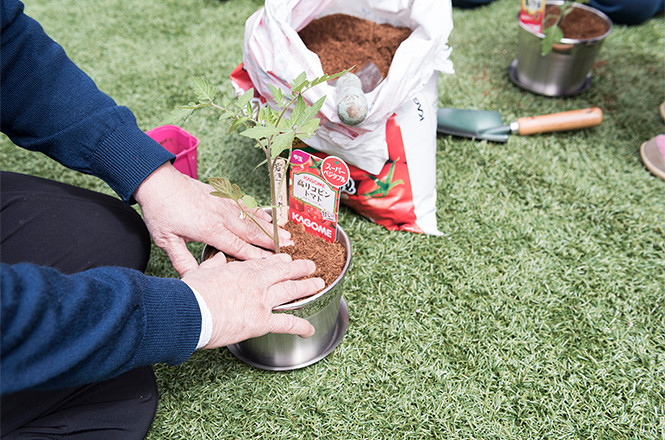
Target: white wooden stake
(282, 196)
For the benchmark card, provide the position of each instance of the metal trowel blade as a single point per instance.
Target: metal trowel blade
(475, 124)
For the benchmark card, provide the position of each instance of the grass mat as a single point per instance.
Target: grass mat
(538, 314)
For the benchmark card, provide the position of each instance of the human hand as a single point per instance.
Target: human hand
(178, 209)
(241, 296)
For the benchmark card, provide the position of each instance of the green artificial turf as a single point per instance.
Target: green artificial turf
(538, 314)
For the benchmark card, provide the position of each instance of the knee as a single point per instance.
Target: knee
(120, 408)
(470, 3)
(629, 12)
(72, 229)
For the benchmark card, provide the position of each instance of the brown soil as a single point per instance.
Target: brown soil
(342, 41)
(328, 257)
(579, 24)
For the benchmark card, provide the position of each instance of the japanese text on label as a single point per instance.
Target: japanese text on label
(313, 190)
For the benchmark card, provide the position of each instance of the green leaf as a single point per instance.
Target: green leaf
(204, 90)
(268, 116)
(245, 98)
(226, 115)
(259, 164)
(281, 143)
(565, 9)
(249, 110)
(236, 192)
(277, 93)
(553, 35)
(238, 122)
(298, 110)
(308, 129)
(315, 108)
(318, 104)
(179, 115)
(223, 187)
(326, 78)
(249, 202)
(260, 132)
(301, 79)
(220, 194)
(299, 83)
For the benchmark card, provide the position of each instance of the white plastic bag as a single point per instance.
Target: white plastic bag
(274, 54)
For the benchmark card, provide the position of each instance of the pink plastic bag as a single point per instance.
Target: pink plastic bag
(179, 142)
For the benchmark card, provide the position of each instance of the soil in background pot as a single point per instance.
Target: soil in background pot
(579, 24)
(342, 41)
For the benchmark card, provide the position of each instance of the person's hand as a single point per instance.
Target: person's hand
(241, 296)
(178, 209)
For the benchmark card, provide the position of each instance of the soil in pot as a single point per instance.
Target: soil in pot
(329, 258)
(342, 41)
(579, 24)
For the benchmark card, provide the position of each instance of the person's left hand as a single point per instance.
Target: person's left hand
(178, 209)
(241, 296)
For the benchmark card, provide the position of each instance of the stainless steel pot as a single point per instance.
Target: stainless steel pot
(566, 70)
(326, 311)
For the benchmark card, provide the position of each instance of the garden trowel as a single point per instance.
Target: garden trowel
(488, 124)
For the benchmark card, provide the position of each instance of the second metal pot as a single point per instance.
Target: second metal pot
(566, 70)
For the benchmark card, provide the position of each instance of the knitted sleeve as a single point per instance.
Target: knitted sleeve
(50, 105)
(56, 333)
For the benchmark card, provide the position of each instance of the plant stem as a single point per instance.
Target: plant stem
(273, 197)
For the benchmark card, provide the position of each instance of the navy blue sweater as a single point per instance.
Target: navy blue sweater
(65, 330)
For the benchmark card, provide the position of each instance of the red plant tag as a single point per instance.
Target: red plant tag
(314, 188)
(532, 14)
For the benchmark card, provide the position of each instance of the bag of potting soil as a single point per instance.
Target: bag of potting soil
(392, 152)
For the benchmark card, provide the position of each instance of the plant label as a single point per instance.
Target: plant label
(314, 192)
(532, 13)
(279, 175)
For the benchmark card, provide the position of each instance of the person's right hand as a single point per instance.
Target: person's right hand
(178, 209)
(241, 296)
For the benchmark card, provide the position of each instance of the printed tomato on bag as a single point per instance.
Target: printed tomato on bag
(386, 198)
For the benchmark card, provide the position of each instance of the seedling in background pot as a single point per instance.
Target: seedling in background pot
(552, 29)
(273, 129)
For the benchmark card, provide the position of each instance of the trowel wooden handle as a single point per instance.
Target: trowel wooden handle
(572, 120)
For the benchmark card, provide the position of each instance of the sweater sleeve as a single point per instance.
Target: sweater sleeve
(50, 105)
(56, 333)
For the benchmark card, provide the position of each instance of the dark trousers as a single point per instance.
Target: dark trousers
(73, 229)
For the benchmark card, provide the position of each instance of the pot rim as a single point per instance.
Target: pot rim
(564, 41)
(310, 299)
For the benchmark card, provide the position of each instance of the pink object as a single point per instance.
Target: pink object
(660, 143)
(179, 142)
